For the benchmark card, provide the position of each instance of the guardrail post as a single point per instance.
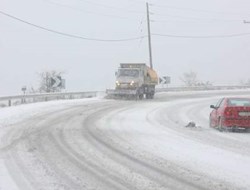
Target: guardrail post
(23, 100)
(9, 103)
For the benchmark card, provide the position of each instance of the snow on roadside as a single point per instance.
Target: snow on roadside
(209, 160)
(14, 114)
(142, 129)
(6, 181)
(215, 162)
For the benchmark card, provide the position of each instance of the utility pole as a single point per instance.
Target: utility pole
(149, 38)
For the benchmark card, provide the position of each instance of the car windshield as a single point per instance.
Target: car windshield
(239, 102)
(128, 73)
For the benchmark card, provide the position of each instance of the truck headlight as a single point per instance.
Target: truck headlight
(132, 83)
(117, 83)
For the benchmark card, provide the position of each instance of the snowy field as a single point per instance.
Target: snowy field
(111, 145)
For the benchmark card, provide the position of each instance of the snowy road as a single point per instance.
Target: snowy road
(121, 145)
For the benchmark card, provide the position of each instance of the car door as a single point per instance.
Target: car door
(219, 110)
(216, 112)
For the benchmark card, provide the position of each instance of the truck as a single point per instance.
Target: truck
(134, 80)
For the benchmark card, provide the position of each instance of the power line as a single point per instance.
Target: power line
(208, 20)
(121, 40)
(196, 18)
(112, 7)
(212, 36)
(138, 1)
(87, 11)
(197, 10)
(197, 21)
(71, 35)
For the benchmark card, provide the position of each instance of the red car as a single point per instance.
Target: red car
(231, 114)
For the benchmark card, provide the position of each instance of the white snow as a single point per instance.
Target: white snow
(157, 129)
(5, 179)
(15, 114)
(146, 128)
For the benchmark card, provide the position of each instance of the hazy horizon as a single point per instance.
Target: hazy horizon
(90, 65)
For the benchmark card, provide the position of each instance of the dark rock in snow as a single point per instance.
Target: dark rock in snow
(191, 124)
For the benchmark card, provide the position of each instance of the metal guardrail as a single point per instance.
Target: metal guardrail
(200, 88)
(31, 98)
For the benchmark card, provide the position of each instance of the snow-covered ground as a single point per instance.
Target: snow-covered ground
(13, 115)
(105, 144)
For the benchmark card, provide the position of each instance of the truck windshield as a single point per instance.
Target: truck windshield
(128, 73)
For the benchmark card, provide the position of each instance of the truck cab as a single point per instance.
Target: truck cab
(130, 78)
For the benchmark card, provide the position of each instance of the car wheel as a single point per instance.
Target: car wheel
(210, 122)
(220, 126)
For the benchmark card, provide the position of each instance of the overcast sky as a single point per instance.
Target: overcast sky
(90, 65)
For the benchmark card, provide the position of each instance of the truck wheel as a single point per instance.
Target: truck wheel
(149, 96)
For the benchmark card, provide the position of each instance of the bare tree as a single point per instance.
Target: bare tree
(45, 79)
(190, 79)
(245, 82)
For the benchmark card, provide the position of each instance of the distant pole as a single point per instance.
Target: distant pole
(149, 38)
(24, 88)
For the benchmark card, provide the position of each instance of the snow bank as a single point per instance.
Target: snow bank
(11, 115)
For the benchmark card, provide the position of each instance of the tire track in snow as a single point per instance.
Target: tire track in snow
(151, 171)
(194, 111)
(115, 156)
(32, 129)
(235, 148)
